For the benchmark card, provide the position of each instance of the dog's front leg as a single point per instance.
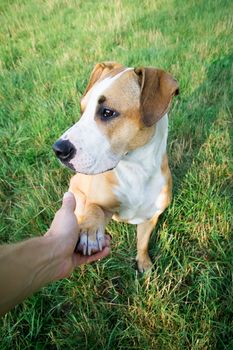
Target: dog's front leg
(144, 231)
(92, 229)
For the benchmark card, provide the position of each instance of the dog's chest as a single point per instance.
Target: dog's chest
(138, 192)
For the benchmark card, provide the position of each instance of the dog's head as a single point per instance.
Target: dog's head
(120, 108)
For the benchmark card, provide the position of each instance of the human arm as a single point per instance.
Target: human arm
(27, 266)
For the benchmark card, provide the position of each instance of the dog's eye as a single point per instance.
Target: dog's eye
(108, 114)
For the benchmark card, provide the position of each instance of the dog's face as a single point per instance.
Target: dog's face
(120, 108)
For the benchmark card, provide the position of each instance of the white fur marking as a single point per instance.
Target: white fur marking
(140, 179)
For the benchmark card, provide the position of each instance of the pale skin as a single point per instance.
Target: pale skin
(27, 266)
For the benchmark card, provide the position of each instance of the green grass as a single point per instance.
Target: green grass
(47, 50)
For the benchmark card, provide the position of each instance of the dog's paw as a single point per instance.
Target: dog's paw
(144, 263)
(91, 240)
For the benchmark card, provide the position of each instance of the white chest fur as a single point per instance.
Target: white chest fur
(140, 178)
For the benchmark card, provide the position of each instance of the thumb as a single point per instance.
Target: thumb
(68, 201)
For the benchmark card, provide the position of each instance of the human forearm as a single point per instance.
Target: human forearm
(24, 268)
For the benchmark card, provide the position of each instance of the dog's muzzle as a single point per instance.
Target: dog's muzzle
(64, 150)
(86, 155)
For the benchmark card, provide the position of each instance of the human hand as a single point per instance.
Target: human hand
(63, 237)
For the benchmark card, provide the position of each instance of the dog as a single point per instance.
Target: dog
(118, 151)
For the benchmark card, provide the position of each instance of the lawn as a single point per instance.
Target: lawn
(47, 50)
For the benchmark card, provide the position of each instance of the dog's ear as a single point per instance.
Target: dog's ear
(99, 71)
(157, 90)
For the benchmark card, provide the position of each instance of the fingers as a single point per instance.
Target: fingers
(100, 255)
(65, 221)
(68, 201)
(80, 259)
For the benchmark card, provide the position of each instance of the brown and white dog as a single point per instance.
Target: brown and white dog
(118, 149)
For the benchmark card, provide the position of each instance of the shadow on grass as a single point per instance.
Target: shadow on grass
(215, 93)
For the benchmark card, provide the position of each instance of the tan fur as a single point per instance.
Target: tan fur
(97, 189)
(167, 189)
(157, 89)
(143, 235)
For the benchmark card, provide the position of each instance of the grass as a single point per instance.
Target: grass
(47, 50)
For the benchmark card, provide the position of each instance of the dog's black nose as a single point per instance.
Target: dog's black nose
(64, 149)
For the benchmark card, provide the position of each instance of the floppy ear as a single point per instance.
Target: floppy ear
(157, 90)
(99, 71)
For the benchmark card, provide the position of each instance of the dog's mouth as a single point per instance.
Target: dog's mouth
(70, 166)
